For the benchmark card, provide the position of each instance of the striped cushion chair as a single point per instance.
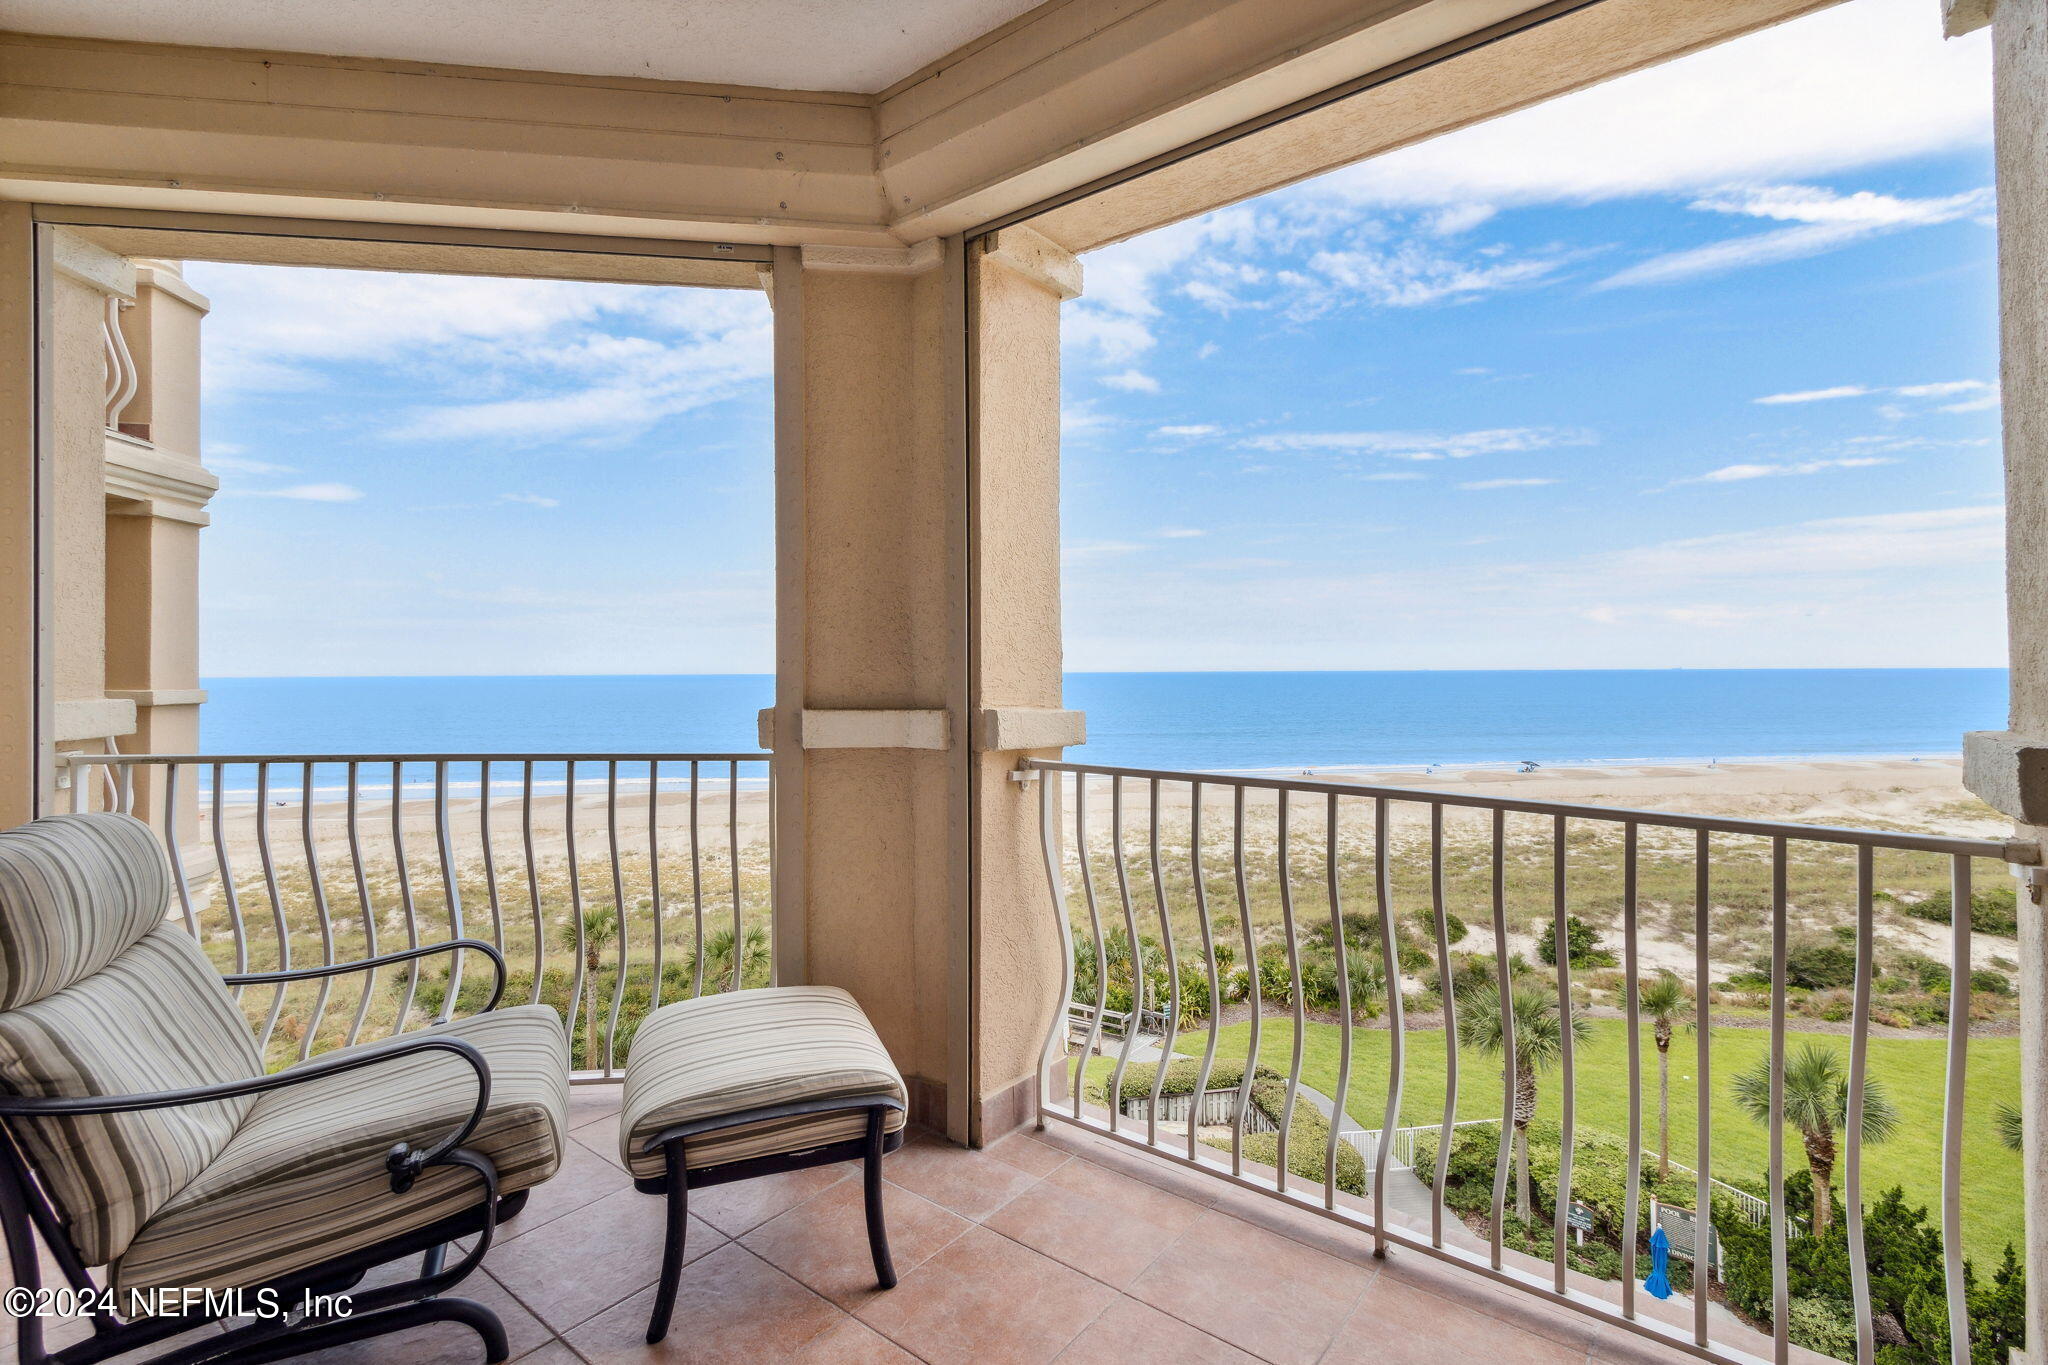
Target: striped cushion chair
(749, 1083)
(146, 1137)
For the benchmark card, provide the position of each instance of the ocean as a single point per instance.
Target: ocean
(1214, 721)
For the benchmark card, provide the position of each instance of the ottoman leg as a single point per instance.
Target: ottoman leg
(871, 1179)
(672, 1248)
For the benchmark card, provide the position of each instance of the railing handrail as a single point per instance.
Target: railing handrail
(2006, 850)
(514, 756)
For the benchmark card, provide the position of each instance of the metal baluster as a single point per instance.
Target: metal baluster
(451, 891)
(1561, 1222)
(1952, 1111)
(1300, 1006)
(696, 883)
(78, 775)
(1504, 983)
(540, 930)
(1166, 1043)
(774, 969)
(1396, 1027)
(654, 866)
(732, 843)
(224, 870)
(319, 892)
(1138, 983)
(1049, 842)
(284, 933)
(1702, 987)
(1449, 997)
(1251, 973)
(1209, 962)
(124, 786)
(1631, 976)
(176, 854)
(1340, 1103)
(575, 897)
(1780, 1293)
(367, 911)
(1859, 1050)
(412, 918)
(1094, 1037)
(483, 831)
(611, 827)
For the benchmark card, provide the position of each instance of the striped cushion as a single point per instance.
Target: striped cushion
(720, 1054)
(75, 892)
(155, 1018)
(303, 1180)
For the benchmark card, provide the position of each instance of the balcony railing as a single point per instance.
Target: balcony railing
(612, 883)
(1171, 908)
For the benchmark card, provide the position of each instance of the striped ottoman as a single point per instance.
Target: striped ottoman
(751, 1083)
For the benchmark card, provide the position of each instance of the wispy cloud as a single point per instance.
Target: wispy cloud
(1478, 485)
(530, 499)
(1981, 393)
(1816, 395)
(1426, 445)
(1739, 473)
(1132, 381)
(1179, 532)
(1190, 431)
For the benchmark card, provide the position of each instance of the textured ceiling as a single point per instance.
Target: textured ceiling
(860, 45)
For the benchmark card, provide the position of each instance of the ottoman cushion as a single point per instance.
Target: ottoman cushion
(721, 1054)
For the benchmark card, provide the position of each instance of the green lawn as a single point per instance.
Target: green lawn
(1910, 1069)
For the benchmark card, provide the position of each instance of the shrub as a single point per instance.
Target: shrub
(1994, 910)
(1182, 1074)
(1820, 964)
(1582, 940)
(1990, 982)
(1454, 928)
(1308, 1141)
(1824, 1325)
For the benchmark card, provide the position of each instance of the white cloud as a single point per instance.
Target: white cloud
(1410, 275)
(1426, 445)
(1945, 389)
(1132, 381)
(530, 499)
(1178, 533)
(304, 492)
(1482, 484)
(1816, 395)
(1190, 431)
(1825, 221)
(1738, 473)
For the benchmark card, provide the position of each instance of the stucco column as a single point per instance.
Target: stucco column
(156, 496)
(19, 703)
(870, 627)
(2009, 769)
(1018, 281)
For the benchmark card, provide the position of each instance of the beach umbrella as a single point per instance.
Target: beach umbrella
(1659, 1283)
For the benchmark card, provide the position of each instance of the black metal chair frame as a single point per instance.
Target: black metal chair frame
(26, 1210)
(678, 1179)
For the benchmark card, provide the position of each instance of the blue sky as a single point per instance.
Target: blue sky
(1694, 368)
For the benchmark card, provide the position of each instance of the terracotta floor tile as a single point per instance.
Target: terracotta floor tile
(824, 1241)
(1100, 1222)
(1398, 1324)
(987, 1300)
(554, 1353)
(1132, 1333)
(443, 1343)
(731, 1306)
(744, 1205)
(972, 1184)
(1255, 1289)
(584, 1262)
(1174, 1179)
(583, 1178)
(1027, 1155)
(1512, 1306)
(590, 1104)
(849, 1341)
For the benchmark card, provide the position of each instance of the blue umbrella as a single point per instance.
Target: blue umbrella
(1659, 1283)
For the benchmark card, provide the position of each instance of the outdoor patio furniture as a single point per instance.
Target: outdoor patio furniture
(144, 1135)
(752, 1083)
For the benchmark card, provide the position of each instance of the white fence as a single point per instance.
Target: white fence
(1219, 1109)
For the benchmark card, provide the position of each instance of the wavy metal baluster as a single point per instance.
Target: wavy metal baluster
(1251, 972)
(451, 890)
(176, 854)
(1952, 1111)
(732, 843)
(1209, 962)
(1780, 1292)
(1632, 1010)
(483, 833)
(540, 929)
(1136, 1018)
(1504, 983)
(1294, 987)
(412, 916)
(611, 827)
(284, 932)
(1166, 1043)
(367, 910)
(1396, 1027)
(575, 898)
(1703, 1096)
(1852, 1135)
(224, 869)
(696, 883)
(654, 868)
(1449, 996)
(1094, 1037)
(318, 889)
(1562, 1220)
(1340, 1103)
(1049, 840)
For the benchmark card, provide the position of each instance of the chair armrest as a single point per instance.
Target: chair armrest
(404, 1161)
(385, 960)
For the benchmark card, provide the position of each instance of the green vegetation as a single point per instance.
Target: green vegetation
(1581, 939)
(1911, 1069)
(1816, 1102)
(1536, 1036)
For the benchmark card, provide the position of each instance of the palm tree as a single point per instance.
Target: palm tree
(2011, 1127)
(1817, 1104)
(725, 964)
(1661, 1000)
(600, 927)
(1538, 1041)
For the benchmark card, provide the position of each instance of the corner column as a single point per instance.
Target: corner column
(2008, 769)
